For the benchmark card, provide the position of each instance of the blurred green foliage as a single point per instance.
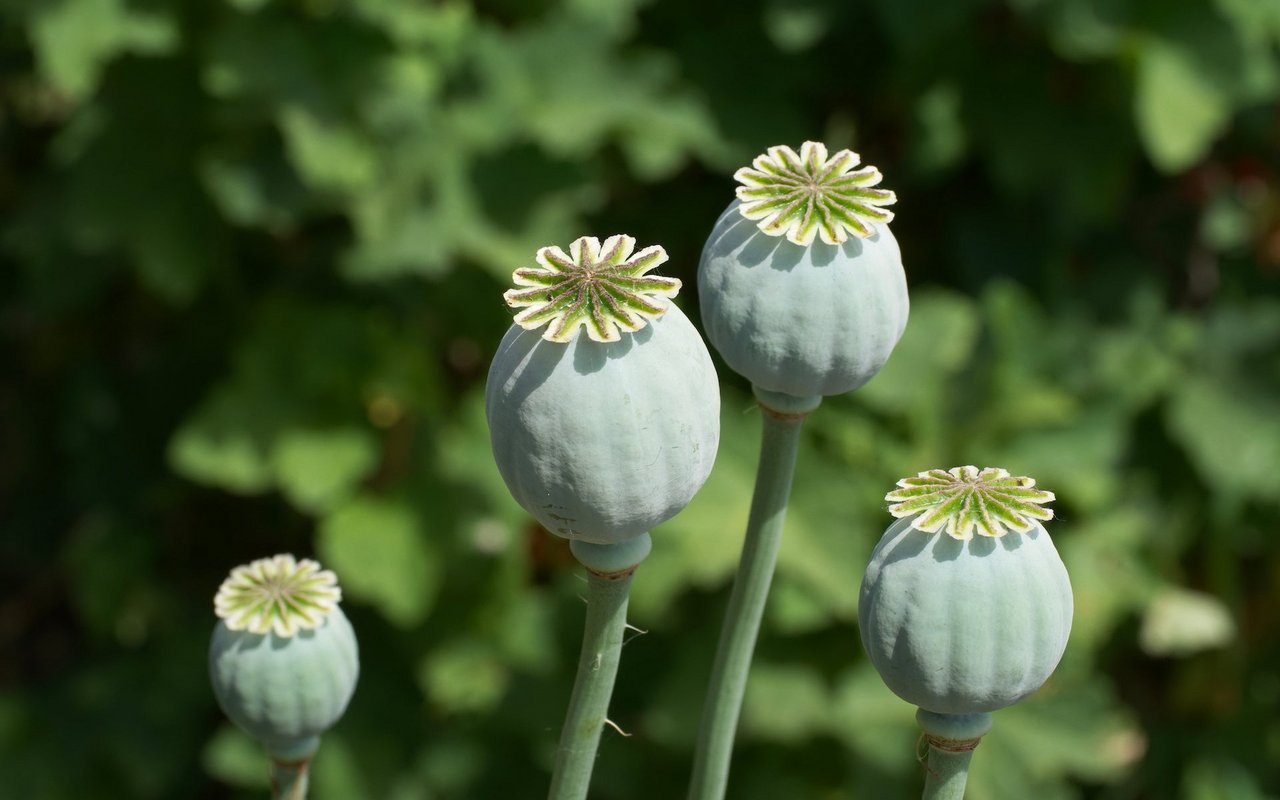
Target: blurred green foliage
(253, 252)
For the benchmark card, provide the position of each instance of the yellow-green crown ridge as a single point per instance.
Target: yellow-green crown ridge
(807, 194)
(965, 500)
(280, 595)
(604, 288)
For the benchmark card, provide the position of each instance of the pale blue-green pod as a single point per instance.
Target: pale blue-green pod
(602, 441)
(283, 660)
(963, 624)
(801, 282)
(803, 320)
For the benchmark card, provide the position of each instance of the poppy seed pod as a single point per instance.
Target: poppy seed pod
(283, 659)
(960, 624)
(801, 283)
(601, 437)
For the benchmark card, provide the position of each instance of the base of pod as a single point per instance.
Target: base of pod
(290, 765)
(619, 558)
(952, 739)
(299, 749)
(960, 729)
(781, 404)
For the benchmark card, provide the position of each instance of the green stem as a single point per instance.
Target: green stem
(952, 739)
(289, 779)
(946, 774)
(607, 593)
(290, 762)
(780, 441)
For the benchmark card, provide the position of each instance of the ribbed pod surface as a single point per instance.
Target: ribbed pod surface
(962, 627)
(803, 320)
(283, 690)
(603, 441)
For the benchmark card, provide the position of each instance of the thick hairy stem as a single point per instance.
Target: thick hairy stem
(607, 593)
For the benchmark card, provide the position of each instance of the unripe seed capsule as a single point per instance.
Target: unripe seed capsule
(958, 623)
(801, 283)
(283, 659)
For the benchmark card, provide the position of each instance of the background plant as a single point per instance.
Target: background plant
(250, 253)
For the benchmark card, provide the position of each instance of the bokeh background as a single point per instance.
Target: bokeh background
(253, 253)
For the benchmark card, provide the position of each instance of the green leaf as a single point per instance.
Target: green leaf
(659, 142)
(785, 703)
(1231, 433)
(451, 765)
(221, 446)
(1028, 392)
(828, 537)
(106, 564)
(337, 775)
(874, 722)
(567, 83)
(382, 557)
(1226, 224)
(794, 608)
(941, 137)
(178, 247)
(397, 232)
(233, 757)
(1209, 778)
(464, 677)
(1133, 366)
(1061, 731)
(328, 154)
(1077, 462)
(319, 468)
(616, 17)
(1180, 111)
(129, 187)
(254, 186)
(490, 518)
(796, 27)
(1241, 337)
(525, 635)
(700, 547)
(402, 95)
(1179, 622)
(445, 24)
(937, 343)
(1083, 30)
(288, 419)
(1110, 580)
(75, 40)
(1263, 18)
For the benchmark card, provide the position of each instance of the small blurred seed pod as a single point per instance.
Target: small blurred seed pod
(283, 659)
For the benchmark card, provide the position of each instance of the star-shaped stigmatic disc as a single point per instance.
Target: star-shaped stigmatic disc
(602, 288)
(963, 500)
(804, 195)
(280, 594)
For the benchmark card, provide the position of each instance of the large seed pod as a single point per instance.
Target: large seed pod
(958, 624)
(602, 441)
(601, 437)
(283, 659)
(801, 283)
